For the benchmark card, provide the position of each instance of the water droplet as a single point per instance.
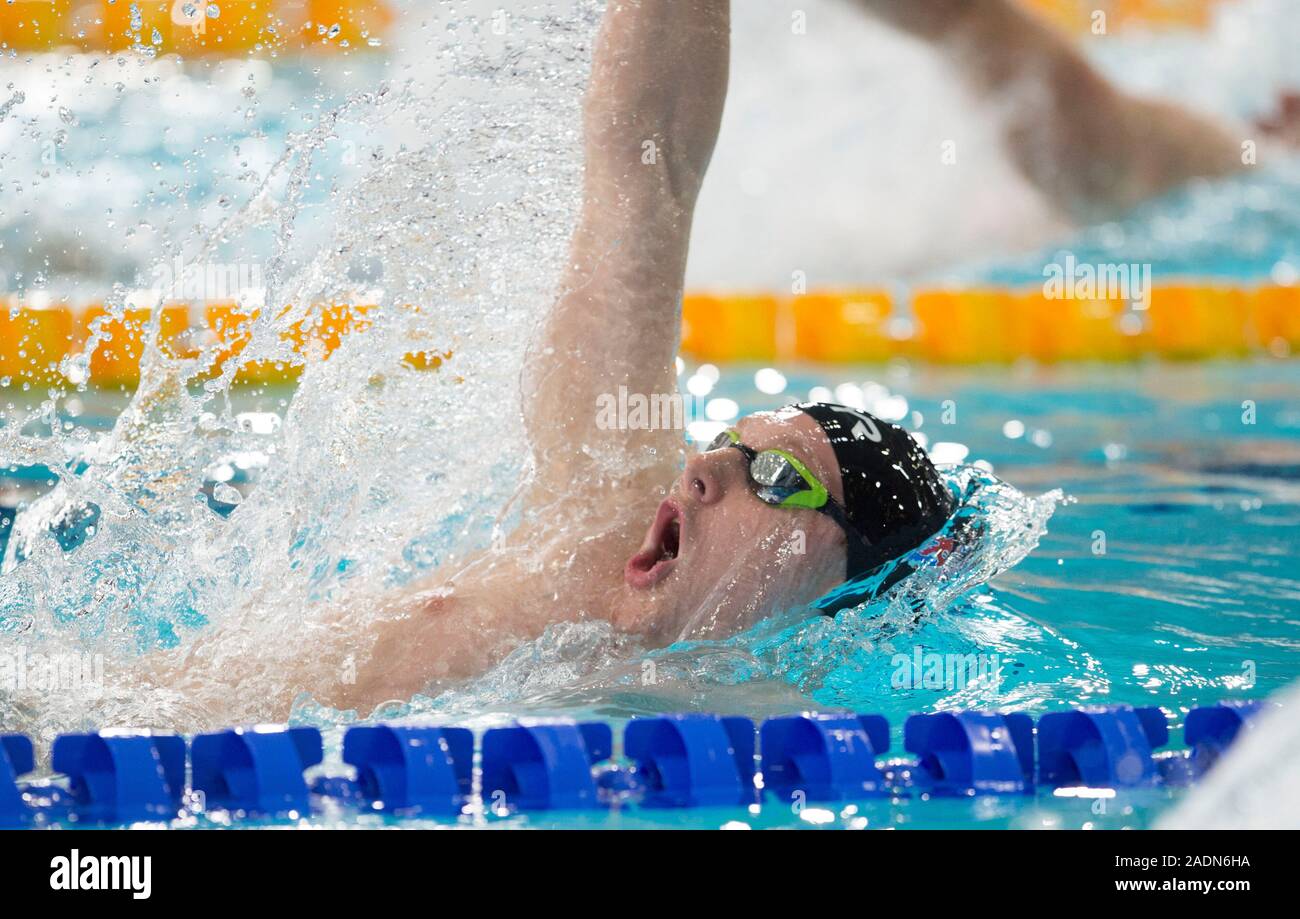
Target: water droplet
(226, 494)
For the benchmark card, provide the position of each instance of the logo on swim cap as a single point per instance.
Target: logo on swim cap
(865, 425)
(893, 496)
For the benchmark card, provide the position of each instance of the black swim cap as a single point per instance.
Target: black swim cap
(893, 495)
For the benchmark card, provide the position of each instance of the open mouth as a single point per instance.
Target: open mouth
(660, 551)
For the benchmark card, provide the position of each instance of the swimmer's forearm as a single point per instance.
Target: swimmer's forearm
(650, 123)
(650, 118)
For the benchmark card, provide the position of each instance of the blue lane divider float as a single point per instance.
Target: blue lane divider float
(668, 761)
(122, 777)
(1100, 747)
(544, 765)
(15, 759)
(412, 769)
(257, 769)
(1209, 731)
(824, 757)
(692, 760)
(966, 753)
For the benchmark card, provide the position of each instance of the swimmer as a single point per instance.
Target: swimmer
(618, 524)
(621, 525)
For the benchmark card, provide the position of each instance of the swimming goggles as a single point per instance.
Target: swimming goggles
(781, 480)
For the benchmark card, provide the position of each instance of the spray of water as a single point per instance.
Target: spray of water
(380, 469)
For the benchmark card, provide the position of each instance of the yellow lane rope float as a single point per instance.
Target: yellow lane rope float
(1189, 321)
(1094, 15)
(992, 325)
(194, 27)
(36, 337)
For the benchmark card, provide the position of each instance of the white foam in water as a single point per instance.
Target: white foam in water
(1256, 785)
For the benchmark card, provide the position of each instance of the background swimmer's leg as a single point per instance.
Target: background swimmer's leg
(1086, 144)
(658, 81)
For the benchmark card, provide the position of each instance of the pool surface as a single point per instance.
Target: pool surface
(1166, 578)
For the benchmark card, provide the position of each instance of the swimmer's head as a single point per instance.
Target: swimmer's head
(746, 529)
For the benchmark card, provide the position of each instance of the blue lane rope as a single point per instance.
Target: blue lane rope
(688, 760)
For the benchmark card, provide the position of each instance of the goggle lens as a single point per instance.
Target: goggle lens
(776, 477)
(774, 470)
(779, 481)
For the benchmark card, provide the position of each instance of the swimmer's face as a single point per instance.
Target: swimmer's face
(716, 558)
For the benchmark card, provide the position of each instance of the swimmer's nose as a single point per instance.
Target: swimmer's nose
(705, 478)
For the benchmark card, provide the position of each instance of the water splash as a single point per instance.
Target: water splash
(379, 470)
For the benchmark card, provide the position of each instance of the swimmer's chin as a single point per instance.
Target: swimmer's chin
(640, 614)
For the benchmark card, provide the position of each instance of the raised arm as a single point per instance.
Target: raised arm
(658, 81)
(1084, 142)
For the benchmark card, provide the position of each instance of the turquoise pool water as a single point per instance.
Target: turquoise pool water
(1167, 577)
